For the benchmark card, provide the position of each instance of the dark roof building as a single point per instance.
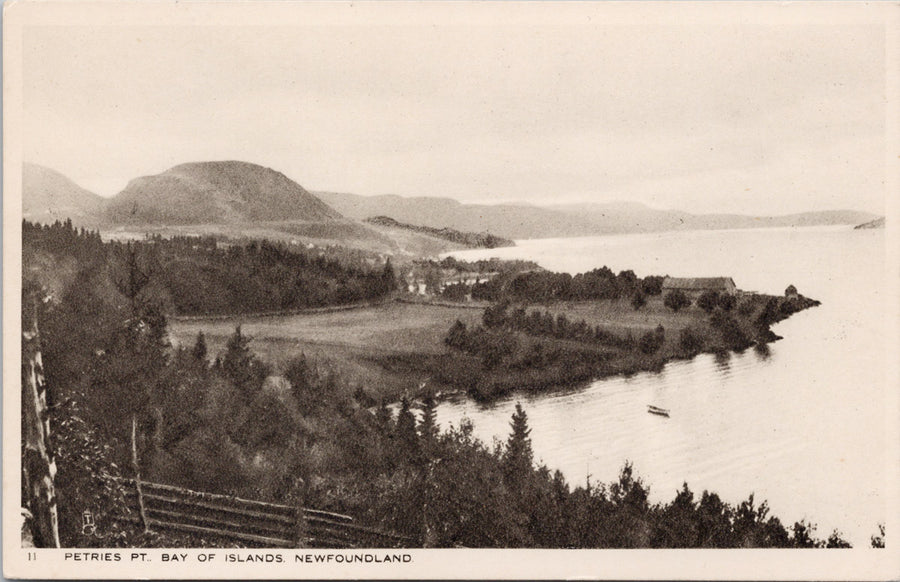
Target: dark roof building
(698, 285)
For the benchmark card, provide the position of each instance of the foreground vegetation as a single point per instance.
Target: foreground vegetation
(302, 437)
(296, 432)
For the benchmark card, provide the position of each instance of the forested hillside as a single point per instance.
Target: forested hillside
(202, 276)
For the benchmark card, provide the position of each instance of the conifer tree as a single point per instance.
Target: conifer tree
(407, 438)
(519, 456)
(456, 337)
(428, 427)
(638, 300)
(383, 418)
(299, 375)
(241, 366)
(199, 352)
(388, 278)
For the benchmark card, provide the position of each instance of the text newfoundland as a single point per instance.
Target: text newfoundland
(354, 557)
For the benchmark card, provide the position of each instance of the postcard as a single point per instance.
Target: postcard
(451, 290)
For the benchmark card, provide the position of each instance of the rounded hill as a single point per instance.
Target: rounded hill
(216, 192)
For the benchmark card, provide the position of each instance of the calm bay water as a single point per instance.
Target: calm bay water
(802, 427)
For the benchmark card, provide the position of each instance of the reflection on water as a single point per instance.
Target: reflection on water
(788, 421)
(723, 361)
(762, 351)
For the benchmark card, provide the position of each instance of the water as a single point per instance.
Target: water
(802, 426)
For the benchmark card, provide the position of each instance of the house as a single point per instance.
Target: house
(695, 286)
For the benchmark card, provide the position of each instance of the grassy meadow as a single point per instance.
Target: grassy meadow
(392, 348)
(354, 342)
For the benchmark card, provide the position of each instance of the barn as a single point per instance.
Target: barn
(695, 286)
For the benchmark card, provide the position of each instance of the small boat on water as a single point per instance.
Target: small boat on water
(657, 410)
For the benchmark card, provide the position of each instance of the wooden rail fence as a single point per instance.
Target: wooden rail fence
(252, 523)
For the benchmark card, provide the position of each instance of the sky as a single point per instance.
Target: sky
(754, 118)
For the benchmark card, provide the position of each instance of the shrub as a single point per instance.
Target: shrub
(638, 300)
(652, 285)
(770, 313)
(456, 337)
(455, 292)
(727, 302)
(495, 315)
(676, 300)
(708, 301)
(746, 308)
(690, 340)
(732, 333)
(651, 341)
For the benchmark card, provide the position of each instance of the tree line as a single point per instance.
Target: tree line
(541, 286)
(202, 276)
(447, 489)
(543, 323)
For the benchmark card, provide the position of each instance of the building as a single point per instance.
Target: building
(695, 286)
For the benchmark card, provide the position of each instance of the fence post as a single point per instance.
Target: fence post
(137, 474)
(301, 528)
(38, 462)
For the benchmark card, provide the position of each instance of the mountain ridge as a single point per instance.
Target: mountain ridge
(503, 220)
(518, 221)
(240, 194)
(635, 217)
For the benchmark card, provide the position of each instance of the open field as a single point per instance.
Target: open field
(619, 317)
(353, 341)
(392, 348)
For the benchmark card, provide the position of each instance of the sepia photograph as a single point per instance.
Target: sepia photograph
(451, 290)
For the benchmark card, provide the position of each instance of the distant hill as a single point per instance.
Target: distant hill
(477, 240)
(215, 193)
(48, 196)
(877, 223)
(235, 198)
(504, 220)
(623, 217)
(524, 221)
